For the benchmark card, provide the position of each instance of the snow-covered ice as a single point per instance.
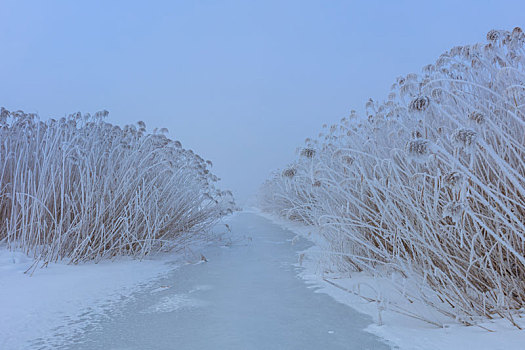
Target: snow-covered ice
(59, 301)
(247, 296)
(174, 302)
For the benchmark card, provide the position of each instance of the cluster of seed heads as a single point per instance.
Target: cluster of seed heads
(289, 173)
(437, 95)
(348, 160)
(453, 210)
(517, 34)
(418, 148)
(464, 137)
(493, 35)
(416, 134)
(476, 117)
(453, 179)
(308, 152)
(419, 104)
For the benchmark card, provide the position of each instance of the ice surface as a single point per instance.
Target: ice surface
(247, 296)
(174, 302)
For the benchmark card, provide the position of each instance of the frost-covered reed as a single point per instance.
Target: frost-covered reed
(430, 185)
(82, 189)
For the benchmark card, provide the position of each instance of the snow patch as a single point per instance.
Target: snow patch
(173, 303)
(62, 299)
(202, 287)
(160, 289)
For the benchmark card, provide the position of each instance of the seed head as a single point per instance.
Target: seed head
(416, 134)
(101, 114)
(369, 104)
(347, 160)
(429, 68)
(308, 152)
(464, 137)
(417, 148)
(476, 117)
(493, 35)
(419, 104)
(453, 179)
(289, 173)
(517, 33)
(453, 210)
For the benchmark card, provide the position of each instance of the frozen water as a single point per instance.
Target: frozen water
(174, 302)
(247, 296)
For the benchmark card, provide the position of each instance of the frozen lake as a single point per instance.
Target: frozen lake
(247, 296)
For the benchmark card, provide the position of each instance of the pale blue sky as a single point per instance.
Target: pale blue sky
(242, 83)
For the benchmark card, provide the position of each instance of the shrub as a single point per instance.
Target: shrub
(435, 190)
(82, 189)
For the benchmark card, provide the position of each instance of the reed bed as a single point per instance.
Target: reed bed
(429, 185)
(81, 189)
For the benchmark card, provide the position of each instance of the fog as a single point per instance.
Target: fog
(241, 83)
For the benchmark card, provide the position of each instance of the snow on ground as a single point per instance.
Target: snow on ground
(57, 299)
(247, 296)
(401, 331)
(63, 298)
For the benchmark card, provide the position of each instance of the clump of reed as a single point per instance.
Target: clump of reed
(80, 188)
(435, 191)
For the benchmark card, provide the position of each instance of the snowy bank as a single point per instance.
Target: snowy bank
(56, 300)
(407, 326)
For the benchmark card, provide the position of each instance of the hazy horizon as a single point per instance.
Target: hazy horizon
(241, 83)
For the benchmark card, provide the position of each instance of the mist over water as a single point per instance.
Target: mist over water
(240, 83)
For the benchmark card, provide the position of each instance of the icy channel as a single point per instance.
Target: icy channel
(247, 296)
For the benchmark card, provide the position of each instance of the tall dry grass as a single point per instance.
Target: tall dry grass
(82, 189)
(430, 185)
